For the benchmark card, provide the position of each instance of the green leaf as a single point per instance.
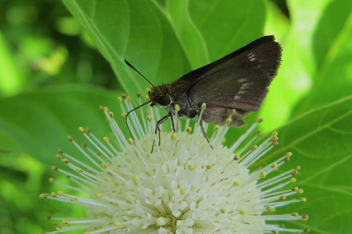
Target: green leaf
(11, 75)
(297, 67)
(164, 43)
(38, 123)
(320, 141)
(137, 31)
(332, 51)
(188, 34)
(227, 25)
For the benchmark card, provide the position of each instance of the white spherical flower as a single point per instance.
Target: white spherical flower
(175, 182)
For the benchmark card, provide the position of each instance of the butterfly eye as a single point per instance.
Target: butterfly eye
(164, 100)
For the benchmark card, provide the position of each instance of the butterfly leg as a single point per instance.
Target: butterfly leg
(203, 132)
(172, 123)
(157, 128)
(160, 121)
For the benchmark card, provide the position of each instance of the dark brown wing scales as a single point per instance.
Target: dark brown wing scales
(234, 87)
(240, 79)
(264, 50)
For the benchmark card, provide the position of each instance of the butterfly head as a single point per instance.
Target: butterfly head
(160, 96)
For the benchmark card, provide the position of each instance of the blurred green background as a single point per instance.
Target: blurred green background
(60, 60)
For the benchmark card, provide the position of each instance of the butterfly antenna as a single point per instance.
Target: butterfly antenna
(128, 127)
(130, 65)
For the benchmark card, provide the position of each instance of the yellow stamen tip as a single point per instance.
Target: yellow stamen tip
(216, 128)
(177, 108)
(262, 174)
(305, 217)
(149, 118)
(43, 195)
(135, 180)
(173, 136)
(106, 139)
(259, 120)
(191, 167)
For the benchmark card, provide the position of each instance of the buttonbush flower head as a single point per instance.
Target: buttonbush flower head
(175, 182)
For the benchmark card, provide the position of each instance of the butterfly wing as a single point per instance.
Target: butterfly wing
(266, 45)
(240, 79)
(234, 88)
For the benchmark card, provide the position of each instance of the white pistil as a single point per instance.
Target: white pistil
(71, 187)
(275, 180)
(197, 129)
(245, 135)
(141, 111)
(137, 123)
(120, 137)
(253, 156)
(73, 176)
(100, 146)
(77, 161)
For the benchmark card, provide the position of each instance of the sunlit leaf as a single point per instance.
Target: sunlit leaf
(320, 141)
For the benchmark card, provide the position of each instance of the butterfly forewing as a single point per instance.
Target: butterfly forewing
(238, 80)
(234, 87)
(264, 50)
